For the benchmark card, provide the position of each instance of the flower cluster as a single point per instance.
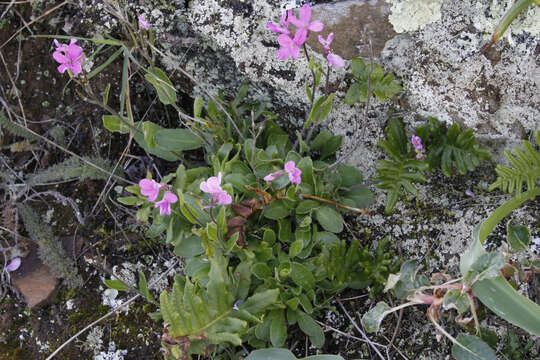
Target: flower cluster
(417, 143)
(291, 169)
(143, 23)
(151, 188)
(212, 186)
(291, 46)
(70, 57)
(333, 59)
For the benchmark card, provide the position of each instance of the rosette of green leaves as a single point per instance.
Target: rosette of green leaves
(383, 86)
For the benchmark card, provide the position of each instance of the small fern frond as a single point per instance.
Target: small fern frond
(524, 168)
(50, 248)
(71, 169)
(15, 129)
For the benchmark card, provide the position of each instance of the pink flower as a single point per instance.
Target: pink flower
(326, 43)
(290, 168)
(294, 172)
(165, 203)
(304, 25)
(69, 56)
(14, 264)
(284, 28)
(273, 176)
(150, 188)
(417, 143)
(143, 23)
(212, 186)
(289, 47)
(335, 60)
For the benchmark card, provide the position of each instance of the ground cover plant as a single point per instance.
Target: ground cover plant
(255, 218)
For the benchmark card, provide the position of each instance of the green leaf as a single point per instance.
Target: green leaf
(116, 284)
(260, 301)
(373, 318)
(276, 210)
(143, 287)
(329, 219)
(307, 206)
(295, 248)
(311, 329)
(271, 354)
(486, 266)
(350, 175)
(130, 200)
(501, 298)
(197, 107)
(164, 87)
(518, 237)
(354, 94)
(360, 197)
(278, 327)
(302, 276)
(261, 271)
(177, 140)
(476, 349)
(455, 299)
(189, 247)
(114, 124)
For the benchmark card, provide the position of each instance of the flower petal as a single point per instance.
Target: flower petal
(59, 57)
(305, 14)
(335, 60)
(14, 264)
(284, 40)
(316, 26)
(300, 36)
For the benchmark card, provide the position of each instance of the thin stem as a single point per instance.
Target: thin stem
(362, 211)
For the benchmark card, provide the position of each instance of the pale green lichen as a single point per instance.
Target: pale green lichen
(412, 15)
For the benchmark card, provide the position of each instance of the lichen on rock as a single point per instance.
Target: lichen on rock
(412, 15)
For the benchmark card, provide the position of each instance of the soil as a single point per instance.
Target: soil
(112, 236)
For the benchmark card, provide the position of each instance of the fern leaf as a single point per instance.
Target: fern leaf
(383, 86)
(197, 315)
(15, 129)
(50, 248)
(73, 168)
(524, 168)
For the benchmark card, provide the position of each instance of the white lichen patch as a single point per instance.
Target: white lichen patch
(111, 354)
(110, 298)
(94, 341)
(412, 15)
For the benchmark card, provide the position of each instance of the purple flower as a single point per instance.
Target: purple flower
(326, 42)
(284, 28)
(273, 176)
(469, 193)
(417, 143)
(304, 25)
(212, 186)
(143, 23)
(14, 264)
(335, 60)
(294, 172)
(236, 303)
(69, 56)
(290, 168)
(150, 188)
(289, 47)
(165, 203)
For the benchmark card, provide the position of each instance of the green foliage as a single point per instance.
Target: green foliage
(472, 348)
(450, 148)
(524, 168)
(284, 354)
(383, 86)
(50, 248)
(197, 315)
(73, 168)
(398, 176)
(355, 267)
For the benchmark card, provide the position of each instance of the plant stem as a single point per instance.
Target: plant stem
(362, 211)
